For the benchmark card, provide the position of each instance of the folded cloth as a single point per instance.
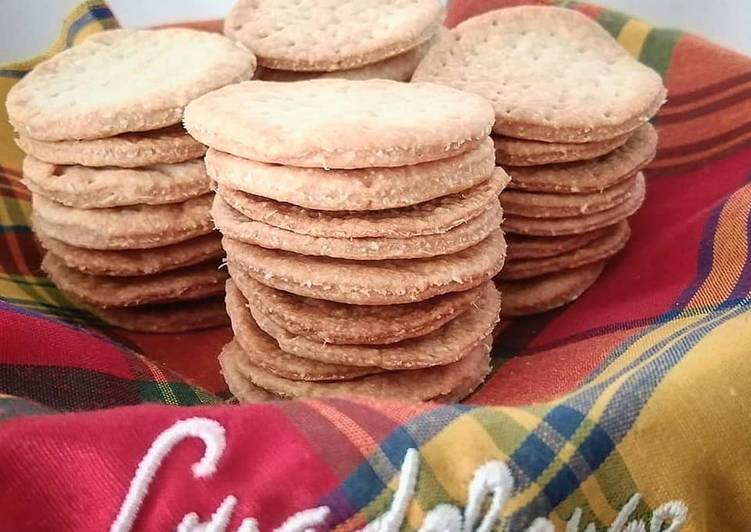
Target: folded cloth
(631, 404)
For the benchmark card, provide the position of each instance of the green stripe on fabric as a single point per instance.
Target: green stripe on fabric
(505, 432)
(613, 22)
(179, 394)
(430, 492)
(658, 49)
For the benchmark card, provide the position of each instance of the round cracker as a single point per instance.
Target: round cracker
(578, 224)
(428, 218)
(520, 152)
(366, 189)
(338, 123)
(130, 262)
(557, 205)
(331, 34)
(135, 227)
(239, 385)
(234, 225)
(166, 318)
(590, 176)
(266, 353)
(398, 67)
(537, 247)
(551, 74)
(93, 188)
(339, 323)
(539, 294)
(123, 80)
(448, 383)
(445, 345)
(602, 248)
(185, 284)
(384, 282)
(129, 150)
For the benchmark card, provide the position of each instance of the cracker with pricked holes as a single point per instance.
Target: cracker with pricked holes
(338, 123)
(572, 225)
(540, 294)
(234, 225)
(129, 262)
(338, 323)
(94, 188)
(184, 284)
(602, 248)
(551, 74)
(134, 227)
(384, 282)
(427, 218)
(322, 35)
(593, 175)
(123, 80)
(366, 189)
(127, 150)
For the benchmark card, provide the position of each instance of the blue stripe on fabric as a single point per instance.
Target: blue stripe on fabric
(93, 15)
(15, 229)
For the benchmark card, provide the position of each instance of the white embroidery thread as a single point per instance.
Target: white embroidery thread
(492, 479)
(212, 434)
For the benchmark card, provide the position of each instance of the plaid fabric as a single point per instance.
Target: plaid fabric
(640, 386)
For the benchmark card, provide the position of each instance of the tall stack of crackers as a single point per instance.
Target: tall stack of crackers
(121, 199)
(572, 110)
(296, 40)
(361, 225)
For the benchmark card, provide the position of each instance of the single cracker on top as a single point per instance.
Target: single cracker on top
(323, 35)
(123, 80)
(551, 74)
(337, 123)
(127, 150)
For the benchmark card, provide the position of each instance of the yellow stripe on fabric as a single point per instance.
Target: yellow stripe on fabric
(730, 250)
(643, 344)
(162, 382)
(452, 469)
(60, 43)
(672, 450)
(632, 36)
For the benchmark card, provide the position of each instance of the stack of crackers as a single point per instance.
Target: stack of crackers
(353, 39)
(361, 226)
(571, 129)
(120, 194)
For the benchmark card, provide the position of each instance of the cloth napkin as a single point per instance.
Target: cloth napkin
(634, 396)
